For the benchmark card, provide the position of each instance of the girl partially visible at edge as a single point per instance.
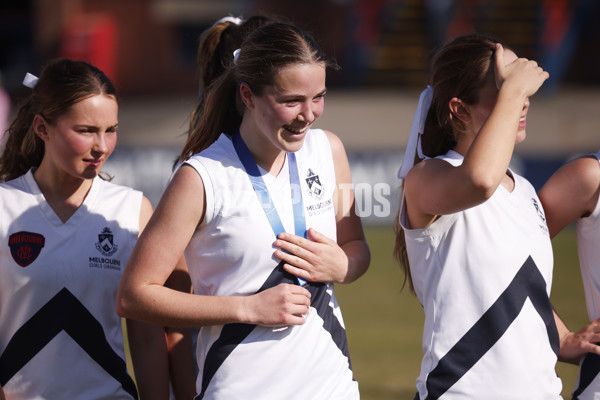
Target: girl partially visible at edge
(571, 195)
(66, 235)
(253, 172)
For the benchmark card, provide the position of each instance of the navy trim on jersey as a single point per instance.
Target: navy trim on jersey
(233, 334)
(590, 367)
(527, 283)
(63, 312)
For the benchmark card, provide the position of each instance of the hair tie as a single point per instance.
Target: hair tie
(229, 18)
(30, 80)
(414, 140)
(236, 55)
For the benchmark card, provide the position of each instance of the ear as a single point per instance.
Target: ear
(39, 126)
(459, 109)
(246, 95)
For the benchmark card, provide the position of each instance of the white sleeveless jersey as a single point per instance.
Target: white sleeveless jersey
(483, 276)
(60, 336)
(232, 254)
(588, 240)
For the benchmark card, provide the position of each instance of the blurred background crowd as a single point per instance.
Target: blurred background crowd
(148, 48)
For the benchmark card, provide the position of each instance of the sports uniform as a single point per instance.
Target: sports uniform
(60, 336)
(483, 276)
(588, 237)
(232, 254)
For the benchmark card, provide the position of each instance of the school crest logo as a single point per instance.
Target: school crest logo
(105, 244)
(539, 209)
(25, 247)
(315, 188)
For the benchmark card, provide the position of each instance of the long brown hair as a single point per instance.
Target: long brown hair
(262, 54)
(215, 54)
(61, 84)
(459, 69)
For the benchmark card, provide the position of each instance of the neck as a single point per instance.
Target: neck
(265, 154)
(65, 194)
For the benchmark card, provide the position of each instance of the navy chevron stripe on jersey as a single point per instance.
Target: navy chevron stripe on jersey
(590, 367)
(320, 301)
(233, 334)
(63, 312)
(527, 283)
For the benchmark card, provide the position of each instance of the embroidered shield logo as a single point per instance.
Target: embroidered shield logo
(25, 247)
(539, 210)
(105, 244)
(315, 189)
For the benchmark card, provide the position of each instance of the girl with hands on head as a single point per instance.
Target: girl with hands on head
(254, 167)
(471, 235)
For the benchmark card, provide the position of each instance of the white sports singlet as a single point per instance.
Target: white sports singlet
(232, 254)
(588, 240)
(60, 336)
(483, 276)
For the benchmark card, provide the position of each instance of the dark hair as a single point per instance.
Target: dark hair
(264, 52)
(217, 44)
(461, 68)
(215, 53)
(61, 84)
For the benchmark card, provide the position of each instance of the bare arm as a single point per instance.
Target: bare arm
(574, 345)
(142, 294)
(318, 258)
(570, 193)
(434, 187)
(147, 345)
(179, 342)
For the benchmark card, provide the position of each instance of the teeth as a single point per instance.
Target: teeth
(297, 130)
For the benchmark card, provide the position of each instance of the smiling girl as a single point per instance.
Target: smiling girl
(265, 231)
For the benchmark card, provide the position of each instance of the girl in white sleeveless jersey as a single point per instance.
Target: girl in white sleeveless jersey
(65, 238)
(571, 195)
(262, 210)
(472, 236)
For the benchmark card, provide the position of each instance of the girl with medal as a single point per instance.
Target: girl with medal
(261, 210)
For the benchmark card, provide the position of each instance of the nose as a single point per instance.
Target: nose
(526, 105)
(100, 144)
(307, 113)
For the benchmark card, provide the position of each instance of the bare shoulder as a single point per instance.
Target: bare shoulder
(335, 142)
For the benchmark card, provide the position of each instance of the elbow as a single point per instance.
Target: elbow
(483, 185)
(124, 304)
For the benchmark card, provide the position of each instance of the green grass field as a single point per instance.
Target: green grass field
(384, 324)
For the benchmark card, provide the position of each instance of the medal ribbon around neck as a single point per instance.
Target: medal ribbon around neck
(260, 188)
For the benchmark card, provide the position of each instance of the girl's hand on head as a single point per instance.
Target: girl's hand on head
(282, 305)
(319, 259)
(522, 75)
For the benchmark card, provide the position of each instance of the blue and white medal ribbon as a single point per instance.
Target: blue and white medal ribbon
(260, 188)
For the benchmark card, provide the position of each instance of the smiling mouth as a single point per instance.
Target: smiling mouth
(295, 130)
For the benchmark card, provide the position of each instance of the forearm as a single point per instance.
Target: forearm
(490, 153)
(147, 346)
(359, 258)
(160, 305)
(181, 362)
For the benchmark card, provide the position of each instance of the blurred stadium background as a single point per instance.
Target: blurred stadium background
(148, 48)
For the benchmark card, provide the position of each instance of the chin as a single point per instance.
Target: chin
(521, 135)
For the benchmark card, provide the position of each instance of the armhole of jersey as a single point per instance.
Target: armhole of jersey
(209, 193)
